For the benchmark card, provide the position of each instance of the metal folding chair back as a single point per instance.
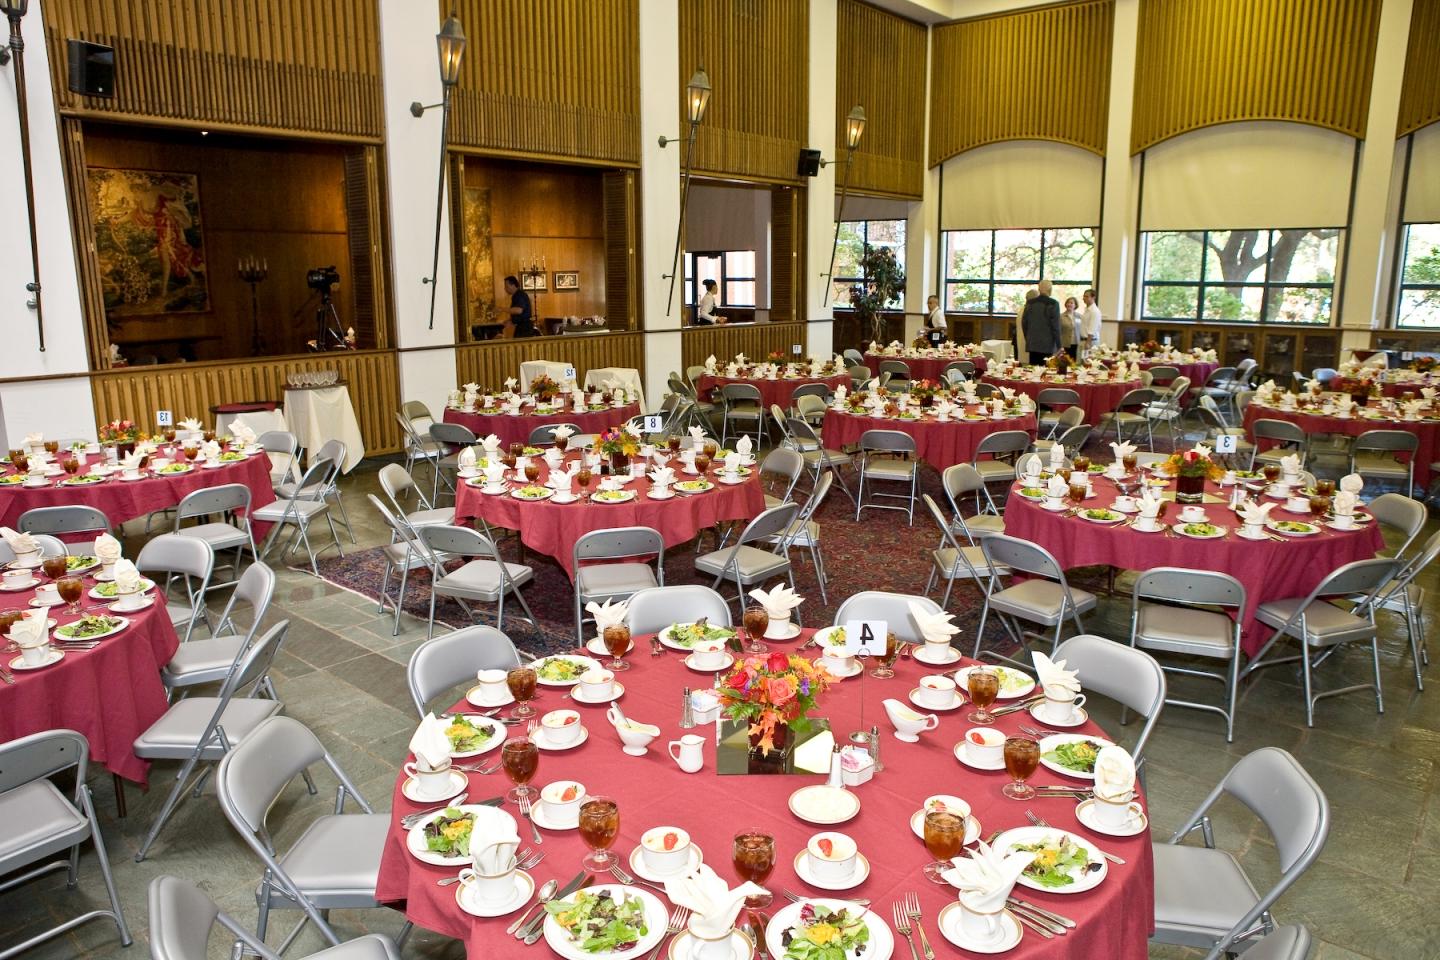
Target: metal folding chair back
(1401, 514)
(897, 369)
(62, 520)
(1129, 676)
(192, 560)
(893, 608)
(656, 608)
(446, 661)
(544, 435)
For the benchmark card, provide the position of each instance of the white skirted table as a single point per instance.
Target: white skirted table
(318, 414)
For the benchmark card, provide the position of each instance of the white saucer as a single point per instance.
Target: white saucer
(856, 668)
(949, 922)
(1240, 532)
(540, 813)
(637, 865)
(972, 827)
(596, 645)
(544, 743)
(1078, 722)
(616, 693)
(26, 564)
(564, 498)
(458, 781)
(729, 662)
(1060, 508)
(524, 889)
(741, 946)
(789, 634)
(35, 601)
(132, 608)
(858, 876)
(919, 648)
(1139, 529)
(27, 585)
(956, 702)
(1085, 813)
(654, 495)
(802, 803)
(54, 656)
(474, 700)
(962, 753)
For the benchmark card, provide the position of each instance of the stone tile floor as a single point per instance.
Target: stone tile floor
(1371, 894)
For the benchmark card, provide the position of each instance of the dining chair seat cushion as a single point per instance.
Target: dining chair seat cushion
(38, 821)
(981, 525)
(400, 555)
(180, 613)
(174, 735)
(830, 458)
(1196, 633)
(203, 661)
(614, 579)
(753, 562)
(1325, 623)
(1380, 465)
(1199, 890)
(889, 469)
(1040, 600)
(336, 861)
(288, 491)
(220, 536)
(801, 534)
(430, 518)
(287, 510)
(369, 947)
(945, 560)
(480, 580)
(994, 470)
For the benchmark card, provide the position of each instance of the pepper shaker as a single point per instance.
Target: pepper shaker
(687, 712)
(875, 748)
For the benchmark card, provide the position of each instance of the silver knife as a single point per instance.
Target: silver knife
(1048, 914)
(533, 927)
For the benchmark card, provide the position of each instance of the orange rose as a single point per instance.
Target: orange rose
(781, 690)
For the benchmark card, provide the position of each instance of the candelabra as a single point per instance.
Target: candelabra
(535, 270)
(253, 270)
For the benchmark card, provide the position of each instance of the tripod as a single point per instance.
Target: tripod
(323, 330)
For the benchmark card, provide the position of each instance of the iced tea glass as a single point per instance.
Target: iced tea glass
(944, 837)
(1022, 756)
(983, 685)
(520, 758)
(599, 826)
(521, 682)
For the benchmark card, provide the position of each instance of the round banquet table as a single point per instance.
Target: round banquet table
(122, 500)
(1427, 430)
(1268, 569)
(1394, 388)
(1113, 920)
(517, 429)
(940, 444)
(111, 693)
(1097, 399)
(924, 368)
(780, 391)
(552, 528)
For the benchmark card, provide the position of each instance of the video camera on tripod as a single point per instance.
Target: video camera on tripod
(321, 280)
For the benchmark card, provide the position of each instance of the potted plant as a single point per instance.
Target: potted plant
(883, 284)
(773, 694)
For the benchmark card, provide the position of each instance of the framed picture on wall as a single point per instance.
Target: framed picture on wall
(533, 281)
(567, 279)
(148, 243)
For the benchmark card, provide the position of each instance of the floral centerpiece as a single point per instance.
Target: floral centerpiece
(619, 445)
(1424, 364)
(774, 695)
(119, 431)
(543, 388)
(775, 357)
(924, 391)
(1359, 386)
(1150, 348)
(1191, 468)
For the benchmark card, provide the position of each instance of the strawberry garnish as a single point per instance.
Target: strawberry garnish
(570, 793)
(570, 720)
(670, 839)
(826, 846)
(977, 737)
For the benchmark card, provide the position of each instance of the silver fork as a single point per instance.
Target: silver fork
(679, 917)
(912, 910)
(1040, 821)
(902, 927)
(524, 860)
(525, 812)
(1039, 731)
(480, 767)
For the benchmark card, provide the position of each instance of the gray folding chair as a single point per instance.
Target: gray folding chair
(811, 409)
(210, 660)
(201, 730)
(819, 391)
(335, 863)
(1071, 439)
(451, 438)
(71, 523)
(1404, 596)
(1290, 438)
(300, 511)
(959, 480)
(41, 822)
(893, 608)
(951, 561)
(1128, 676)
(281, 449)
(611, 580)
(1377, 455)
(749, 565)
(888, 456)
(853, 356)
(805, 531)
(995, 455)
(1058, 423)
(397, 484)
(1049, 403)
(1203, 896)
(656, 608)
(182, 917)
(1129, 414)
(1192, 613)
(544, 435)
(1217, 386)
(802, 436)
(448, 660)
(896, 368)
(744, 407)
(486, 577)
(780, 471)
(1320, 626)
(1290, 942)
(328, 488)
(418, 445)
(1401, 519)
(190, 560)
(1046, 599)
(230, 500)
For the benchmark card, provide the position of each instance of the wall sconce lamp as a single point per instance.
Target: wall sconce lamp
(697, 100)
(14, 10)
(854, 130)
(450, 44)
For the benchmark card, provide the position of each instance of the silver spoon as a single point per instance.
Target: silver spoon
(547, 893)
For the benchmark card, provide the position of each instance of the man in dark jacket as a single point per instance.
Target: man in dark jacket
(1041, 323)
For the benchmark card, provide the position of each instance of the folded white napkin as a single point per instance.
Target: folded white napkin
(732, 462)
(744, 446)
(942, 409)
(633, 430)
(934, 627)
(35, 439)
(31, 629)
(494, 471)
(710, 363)
(1428, 393)
(987, 875)
(1255, 513)
(21, 543)
(466, 459)
(662, 476)
(740, 359)
(1114, 772)
(1052, 675)
(841, 392)
(241, 432)
(1290, 465)
(191, 424)
(511, 383)
(1122, 450)
(552, 457)
(713, 903)
(1056, 456)
(1412, 407)
(210, 450)
(563, 432)
(472, 387)
(1352, 483)
(779, 601)
(1344, 503)
(1344, 402)
(429, 742)
(107, 549)
(493, 841)
(1148, 503)
(127, 578)
(697, 437)
(1057, 487)
(491, 444)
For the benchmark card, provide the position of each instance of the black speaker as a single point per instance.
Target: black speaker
(92, 68)
(809, 163)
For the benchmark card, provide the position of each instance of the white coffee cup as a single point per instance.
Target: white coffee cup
(688, 752)
(836, 866)
(430, 781)
(131, 473)
(562, 727)
(596, 685)
(1125, 504)
(708, 656)
(1193, 514)
(936, 691)
(1252, 529)
(1115, 813)
(778, 627)
(709, 948)
(129, 601)
(34, 656)
(1054, 503)
(158, 463)
(660, 859)
(22, 577)
(985, 744)
(1060, 706)
(1344, 521)
(1298, 504)
(562, 812)
(492, 686)
(837, 664)
(980, 926)
(48, 594)
(489, 889)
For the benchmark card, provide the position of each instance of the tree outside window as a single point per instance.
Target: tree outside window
(854, 237)
(1275, 276)
(989, 271)
(1419, 301)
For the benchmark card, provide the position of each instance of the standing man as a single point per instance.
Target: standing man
(935, 327)
(1041, 324)
(1089, 322)
(522, 323)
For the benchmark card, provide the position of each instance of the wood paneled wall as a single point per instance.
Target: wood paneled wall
(1038, 75)
(724, 342)
(191, 389)
(756, 55)
(549, 78)
(1199, 64)
(880, 65)
(1420, 97)
(787, 254)
(492, 362)
(622, 244)
(303, 66)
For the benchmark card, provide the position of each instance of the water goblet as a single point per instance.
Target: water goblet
(983, 685)
(599, 826)
(520, 758)
(1022, 756)
(521, 681)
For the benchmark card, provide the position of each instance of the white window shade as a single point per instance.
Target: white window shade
(1021, 183)
(1422, 198)
(1248, 175)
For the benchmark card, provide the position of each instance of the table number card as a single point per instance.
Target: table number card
(795, 349)
(164, 418)
(1226, 443)
(569, 375)
(863, 638)
(654, 423)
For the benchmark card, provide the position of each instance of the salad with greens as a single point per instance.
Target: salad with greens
(1201, 530)
(90, 625)
(1058, 861)
(1101, 515)
(826, 934)
(689, 634)
(1035, 493)
(599, 923)
(465, 736)
(559, 668)
(1011, 681)
(230, 456)
(175, 468)
(73, 562)
(1077, 755)
(449, 833)
(109, 589)
(1293, 526)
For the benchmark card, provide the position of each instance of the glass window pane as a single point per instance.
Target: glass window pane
(1304, 256)
(740, 263)
(1017, 255)
(1300, 304)
(1419, 308)
(1233, 302)
(1172, 256)
(1010, 298)
(849, 247)
(886, 233)
(1422, 253)
(707, 268)
(1065, 291)
(740, 293)
(840, 294)
(968, 254)
(968, 297)
(1070, 255)
(1167, 302)
(1236, 256)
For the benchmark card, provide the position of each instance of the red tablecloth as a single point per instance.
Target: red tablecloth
(1097, 399)
(1268, 570)
(518, 429)
(925, 368)
(111, 693)
(1394, 389)
(1428, 431)
(1113, 921)
(122, 500)
(939, 444)
(552, 528)
(1197, 372)
(780, 391)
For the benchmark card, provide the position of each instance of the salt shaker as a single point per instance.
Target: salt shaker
(687, 712)
(875, 748)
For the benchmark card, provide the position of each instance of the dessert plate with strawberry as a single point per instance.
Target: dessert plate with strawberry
(641, 869)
